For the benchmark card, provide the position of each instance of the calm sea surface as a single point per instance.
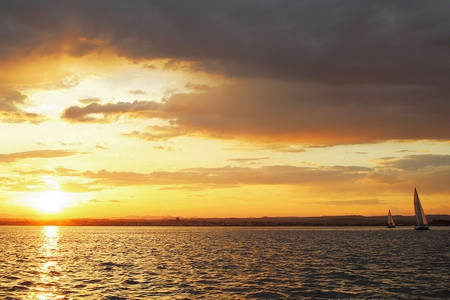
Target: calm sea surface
(223, 263)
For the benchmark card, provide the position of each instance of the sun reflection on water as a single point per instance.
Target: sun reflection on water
(49, 271)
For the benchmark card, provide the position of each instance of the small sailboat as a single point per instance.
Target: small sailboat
(421, 220)
(390, 222)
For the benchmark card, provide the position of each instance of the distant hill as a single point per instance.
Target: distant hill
(434, 220)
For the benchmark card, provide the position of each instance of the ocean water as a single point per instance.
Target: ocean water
(223, 263)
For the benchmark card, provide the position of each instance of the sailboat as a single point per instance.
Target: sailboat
(390, 222)
(421, 220)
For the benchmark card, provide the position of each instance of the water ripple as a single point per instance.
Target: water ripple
(222, 263)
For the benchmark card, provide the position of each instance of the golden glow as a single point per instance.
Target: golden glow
(50, 202)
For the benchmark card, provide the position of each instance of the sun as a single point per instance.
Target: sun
(50, 202)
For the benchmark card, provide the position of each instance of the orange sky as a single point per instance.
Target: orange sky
(247, 118)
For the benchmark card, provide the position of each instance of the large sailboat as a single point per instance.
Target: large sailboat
(390, 221)
(421, 220)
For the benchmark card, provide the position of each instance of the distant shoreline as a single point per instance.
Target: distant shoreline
(434, 220)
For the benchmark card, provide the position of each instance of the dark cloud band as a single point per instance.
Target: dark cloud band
(351, 42)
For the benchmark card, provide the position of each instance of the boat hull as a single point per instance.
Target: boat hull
(421, 227)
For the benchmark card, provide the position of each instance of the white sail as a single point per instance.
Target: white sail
(421, 220)
(390, 220)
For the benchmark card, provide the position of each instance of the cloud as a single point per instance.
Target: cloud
(89, 100)
(99, 146)
(37, 183)
(35, 172)
(272, 111)
(24, 185)
(312, 72)
(353, 202)
(288, 149)
(224, 176)
(197, 87)
(431, 171)
(21, 117)
(246, 160)
(75, 187)
(67, 82)
(157, 133)
(137, 92)
(9, 99)
(94, 200)
(12, 157)
(335, 179)
(10, 111)
(435, 180)
(381, 42)
(270, 147)
(69, 143)
(285, 112)
(166, 148)
(339, 178)
(108, 111)
(417, 162)
(187, 179)
(196, 178)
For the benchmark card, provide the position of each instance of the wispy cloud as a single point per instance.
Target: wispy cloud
(157, 133)
(100, 146)
(137, 92)
(271, 175)
(246, 160)
(89, 100)
(108, 111)
(166, 148)
(416, 162)
(353, 202)
(15, 156)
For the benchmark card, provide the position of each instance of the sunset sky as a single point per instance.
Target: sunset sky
(223, 108)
